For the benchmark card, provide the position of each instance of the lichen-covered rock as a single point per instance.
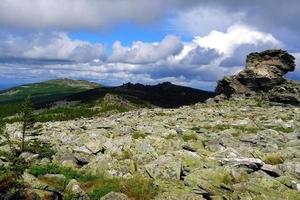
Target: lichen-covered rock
(164, 167)
(74, 188)
(263, 75)
(115, 196)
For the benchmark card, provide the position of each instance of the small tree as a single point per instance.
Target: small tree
(5, 138)
(28, 123)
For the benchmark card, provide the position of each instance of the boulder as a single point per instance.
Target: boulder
(263, 76)
(252, 163)
(164, 167)
(29, 157)
(270, 170)
(115, 196)
(74, 188)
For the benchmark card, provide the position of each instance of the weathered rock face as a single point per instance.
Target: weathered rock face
(264, 74)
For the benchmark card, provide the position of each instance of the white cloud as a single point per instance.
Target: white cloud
(227, 42)
(201, 20)
(52, 46)
(143, 53)
(200, 61)
(77, 14)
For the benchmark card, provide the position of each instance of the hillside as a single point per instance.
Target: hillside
(165, 95)
(46, 91)
(53, 90)
(68, 99)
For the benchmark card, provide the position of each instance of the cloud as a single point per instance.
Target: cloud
(200, 56)
(143, 53)
(77, 14)
(227, 42)
(48, 48)
(198, 63)
(238, 58)
(296, 74)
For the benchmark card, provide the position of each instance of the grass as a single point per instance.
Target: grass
(189, 137)
(137, 187)
(138, 135)
(68, 172)
(284, 130)
(274, 158)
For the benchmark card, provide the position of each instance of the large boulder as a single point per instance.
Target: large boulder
(264, 76)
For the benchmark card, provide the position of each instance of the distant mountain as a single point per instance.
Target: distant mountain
(165, 95)
(41, 93)
(46, 91)
(65, 99)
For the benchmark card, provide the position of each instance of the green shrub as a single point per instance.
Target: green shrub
(10, 186)
(44, 149)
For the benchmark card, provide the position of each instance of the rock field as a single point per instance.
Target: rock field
(237, 149)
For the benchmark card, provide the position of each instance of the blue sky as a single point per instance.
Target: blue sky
(192, 42)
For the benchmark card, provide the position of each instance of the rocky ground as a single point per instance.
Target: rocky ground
(237, 149)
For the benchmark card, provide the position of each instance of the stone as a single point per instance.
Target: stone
(270, 170)
(189, 148)
(263, 76)
(81, 161)
(252, 163)
(56, 181)
(165, 168)
(84, 150)
(29, 157)
(297, 170)
(95, 146)
(296, 186)
(114, 196)
(74, 188)
(34, 182)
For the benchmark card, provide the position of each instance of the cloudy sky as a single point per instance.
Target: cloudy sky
(187, 42)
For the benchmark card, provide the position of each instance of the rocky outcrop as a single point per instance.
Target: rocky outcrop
(264, 76)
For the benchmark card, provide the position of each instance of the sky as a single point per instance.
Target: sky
(187, 42)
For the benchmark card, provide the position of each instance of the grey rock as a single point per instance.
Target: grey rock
(264, 76)
(29, 157)
(74, 188)
(115, 196)
(165, 168)
(271, 170)
(252, 163)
